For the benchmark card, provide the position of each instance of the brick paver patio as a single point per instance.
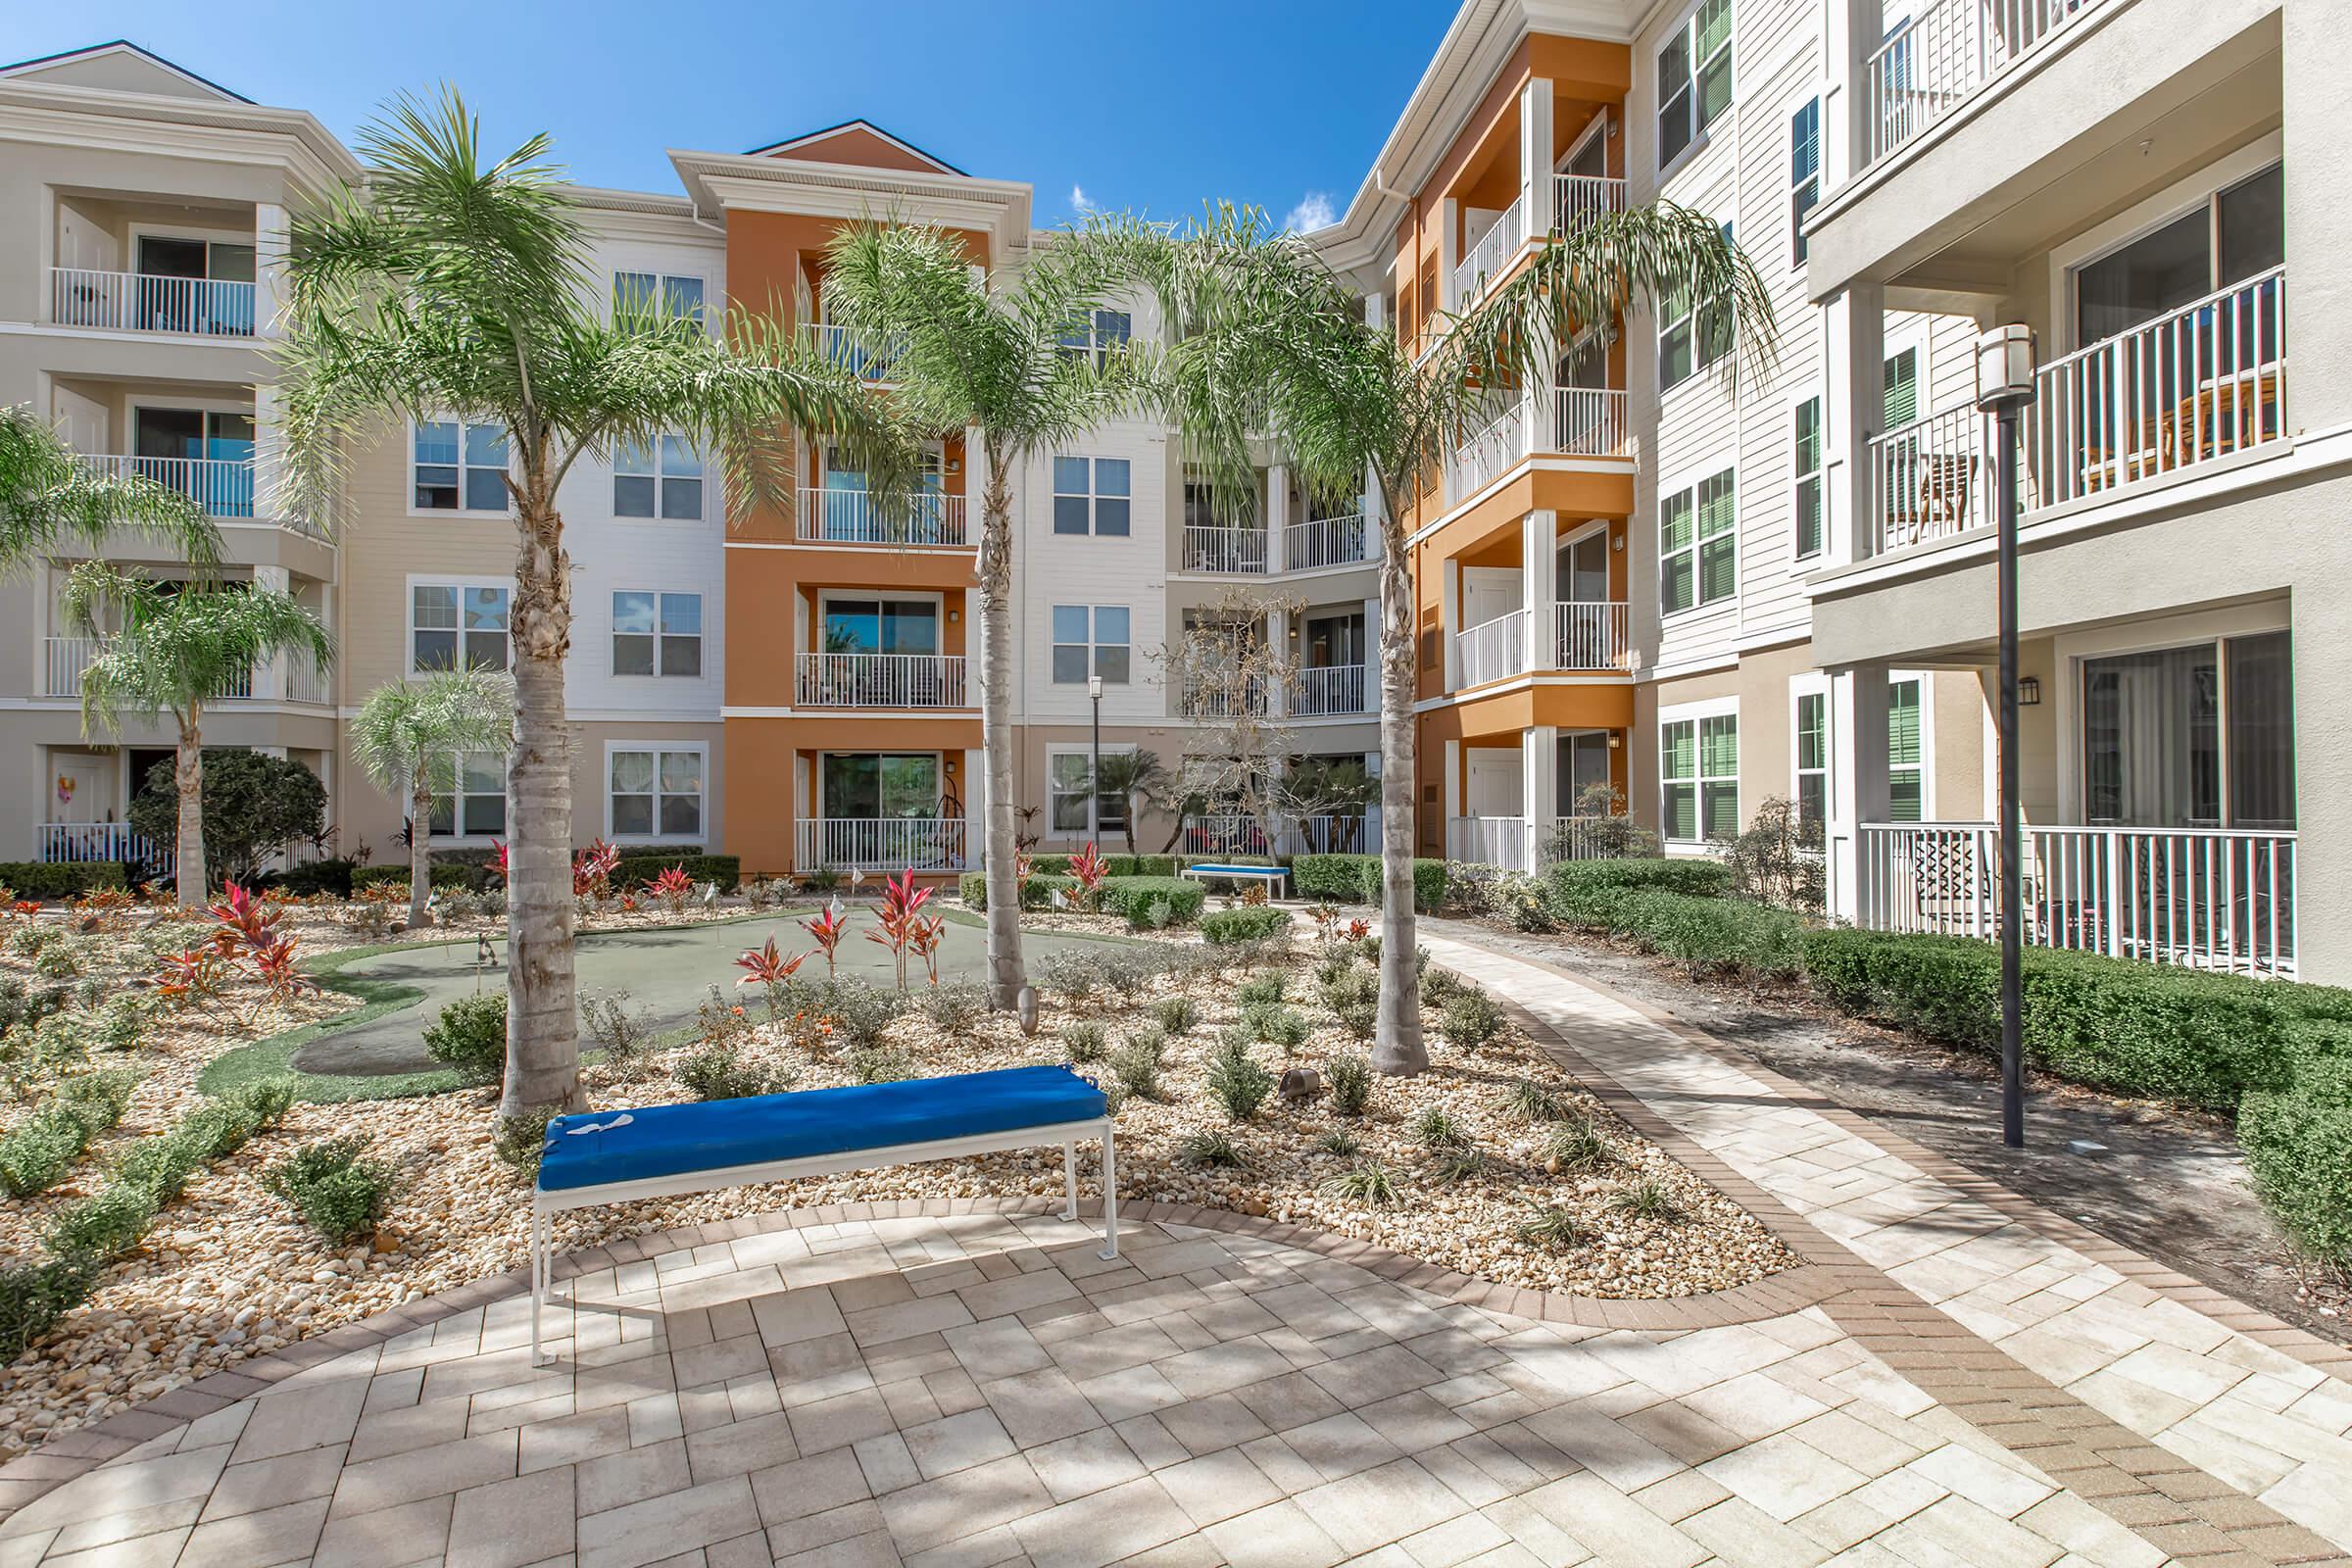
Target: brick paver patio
(1955, 1378)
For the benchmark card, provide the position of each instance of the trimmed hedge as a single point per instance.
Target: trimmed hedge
(1248, 923)
(1131, 897)
(635, 870)
(1694, 876)
(1357, 879)
(1116, 864)
(1754, 940)
(2298, 1142)
(39, 879)
(973, 887)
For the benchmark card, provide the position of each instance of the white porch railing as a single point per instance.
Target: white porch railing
(1931, 478)
(1240, 550)
(1214, 835)
(1580, 198)
(80, 843)
(1592, 634)
(304, 683)
(1234, 697)
(881, 844)
(2206, 381)
(850, 517)
(1331, 689)
(1487, 456)
(1325, 542)
(1493, 253)
(139, 301)
(222, 486)
(1573, 838)
(62, 659)
(854, 350)
(1487, 841)
(1931, 63)
(2203, 897)
(879, 680)
(1491, 650)
(1588, 422)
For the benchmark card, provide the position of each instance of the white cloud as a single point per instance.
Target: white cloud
(1078, 202)
(1314, 210)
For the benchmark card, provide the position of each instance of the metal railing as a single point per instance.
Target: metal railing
(881, 844)
(1491, 650)
(2205, 381)
(2202, 898)
(1580, 198)
(1588, 422)
(141, 302)
(858, 353)
(1325, 542)
(1216, 835)
(1490, 255)
(1933, 478)
(1487, 841)
(1593, 634)
(1233, 697)
(850, 517)
(1576, 838)
(306, 683)
(1331, 689)
(81, 843)
(1238, 551)
(879, 680)
(63, 659)
(1931, 63)
(1489, 454)
(222, 486)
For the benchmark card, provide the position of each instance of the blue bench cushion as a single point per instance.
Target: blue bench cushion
(1237, 871)
(712, 1135)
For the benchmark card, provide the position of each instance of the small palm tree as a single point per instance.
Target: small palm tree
(408, 737)
(1139, 778)
(454, 286)
(49, 501)
(180, 648)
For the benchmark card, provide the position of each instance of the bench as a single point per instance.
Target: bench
(1271, 875)
(618, 1156)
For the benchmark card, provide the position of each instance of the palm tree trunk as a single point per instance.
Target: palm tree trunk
(420, 858)
(999, 848)
(1396, 1032)
(188, 776)
(543, 1042)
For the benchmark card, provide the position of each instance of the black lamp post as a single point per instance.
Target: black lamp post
(1093, 764)
(2004, 386)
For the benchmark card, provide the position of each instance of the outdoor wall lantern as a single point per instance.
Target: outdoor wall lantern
(2028, 691)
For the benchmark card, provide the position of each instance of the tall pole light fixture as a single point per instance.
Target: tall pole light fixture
(2004, 386)
(1093, 764)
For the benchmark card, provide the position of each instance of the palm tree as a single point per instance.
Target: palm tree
(451, 286)
(994, 361)
(49, 501)
(408, 737)
(1137, 777)
(181, 647)
(1277, 347)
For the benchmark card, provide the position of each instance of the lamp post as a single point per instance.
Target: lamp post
(2004, 386)
(1093, 764)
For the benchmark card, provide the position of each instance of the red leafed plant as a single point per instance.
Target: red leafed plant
(273, 965)
(1087, 870)
(496, 863)
(1023, 863)
(827, 929)
(243, 924)
(766, 968)
(25, 909)
(592, 870)
(923, 938)
(190, 978)
(1357, 930)
(673, 886)
(895, 919)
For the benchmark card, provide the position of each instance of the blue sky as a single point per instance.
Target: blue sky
(1144, 104)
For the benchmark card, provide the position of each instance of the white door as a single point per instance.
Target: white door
(81, 420)
(74, 787)
(1498, 782)
(1488, 592)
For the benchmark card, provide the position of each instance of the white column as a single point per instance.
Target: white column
(269, 675)
(1451, 794)
(1856, 407)
(1375, 315)
(1278, 643)
(1278, 515)
(1540, 588)
(1449, 251)
(975, 485)
(1539, 788)
(1857, 777)
(268, 455)
(269, 255)
(1535, 155)
(1449, 621)
(975, 806)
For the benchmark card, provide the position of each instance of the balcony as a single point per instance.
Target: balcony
(1325, 542)
(1228, 551)
(1936, 60)
(1332, 689)
(141, 302)
(1575, 199)
(63, 659)
(1490, 254)
(854, 350)
(1588, 635)
(879, 680)
(86, 843)
(222, 486)
(1242, 696)
(2201, 897)
(850, 517)
(920, 843)
(1223, 835)
(1578, 199)
(1522, 844)
(1584, 422)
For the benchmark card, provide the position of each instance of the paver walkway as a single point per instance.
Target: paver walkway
(1972, 1385)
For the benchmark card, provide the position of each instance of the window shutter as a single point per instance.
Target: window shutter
(1903, 724)
(1902, 389)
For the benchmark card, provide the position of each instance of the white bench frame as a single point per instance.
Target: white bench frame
(546, 1202)
(1268, 874)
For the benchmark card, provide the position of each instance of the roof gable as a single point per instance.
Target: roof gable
(119, 67)
(859, 142)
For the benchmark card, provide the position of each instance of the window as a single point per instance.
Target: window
(1903, 388)
(1098, 334)
(460, 466)
(881, 626)
(1078, 653)
(1699, 760)
(666, 481)
(2181, 261)
(1695, 78)
(1808, 478)
(2201, 736)
(865, 786)
(1090, 496)
(1813, 758)
(1077, 809)
(1805, 173)
(641, 294)
(656, 634)
(656, 793)
(476, 807)
(1698, 547)
(1692, 335)
(1905, 781)
(452, 622)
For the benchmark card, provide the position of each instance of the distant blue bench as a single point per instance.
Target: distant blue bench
(664, 1150)
(1270, 875)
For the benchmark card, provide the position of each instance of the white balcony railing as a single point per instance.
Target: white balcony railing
(222, 486)
(1489, 454)
(850, 517)
(879, 680)
(1325, 542)
(139, 301)
(1575, 838)
(859, 353)
(81, 843)
(1490, 255)
(62, 659)
(1491, 650)
(1487, 841)
(1592, 634)
(881, 844)
(1933, 62)
(1331, 689)
(1238, 551)
(1218, 835)
(1931, 478)
(1588, 422)
(1233, 697)
(2202, 898)
(306, 683)
(2204, 382)
(1580, 198)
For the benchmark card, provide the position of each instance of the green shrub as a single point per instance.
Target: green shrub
(337, 1192)
(1706, 934)
(1137, 1071)
(330, 876)
(1235, 1080)
(105, 1225)
(1265, 986)
(34, 1296)
(1282, 1027)
(1177, 1015)
(972, 886)
(161, 1165)
(955, 1006)
(1470, 1018)
(439, 873)
(1350, 1080)
(720, 1072)
(521, 1142)
(1210, 1148)
(1353, 997)
(1568, 883)
(633, 872)
(470, 1035)
(1357, 879)
(1131, 897)
(861, 1011)
(36, 1156)
(1085, 1042)
(1249, 923)
(38, 879)
(2298, 1142)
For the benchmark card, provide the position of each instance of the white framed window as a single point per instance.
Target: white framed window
(1695, 78)
(1698, 773)
(1906, 748)
(457, 465)
(670, 294)
(1809, 748)
(1698, 545)
(656, 633)
(664, 480)
(1805, 173)
(476, 806)
(1100, 333)
(454, 623)
(1694, 334)
(1076, 808)
(1090, 495)
(1805, 442)
(1091, 640)
(654, 791)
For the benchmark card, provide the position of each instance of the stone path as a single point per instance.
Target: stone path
(1973, 1384)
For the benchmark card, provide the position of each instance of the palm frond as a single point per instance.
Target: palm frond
(177, 652)
(50, 501)
(413, 727)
